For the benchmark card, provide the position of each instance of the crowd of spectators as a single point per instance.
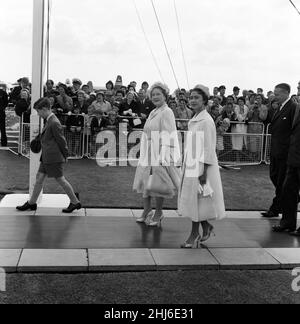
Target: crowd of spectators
(83, 109)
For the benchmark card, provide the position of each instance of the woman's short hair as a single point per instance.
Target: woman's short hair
(53, 97)
(51, 82)
(110, 83)
(162, 87)
(243, 99)
(63, 86)
(42, 103)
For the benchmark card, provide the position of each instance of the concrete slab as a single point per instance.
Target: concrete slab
(184, 259)
(247, 258)
(168, 213)
(288, 258)
(229, 234)
(58, 212)
(243, 214)
(54, 201)
(47, 201)
(109, 213)
(53, 261)
(121, 260)
(11, 201)
(9, 260)
(11, 211)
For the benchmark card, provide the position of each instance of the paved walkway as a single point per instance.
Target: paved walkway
(108, 240)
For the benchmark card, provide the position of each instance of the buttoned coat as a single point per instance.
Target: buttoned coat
(54, 145)
(190, 203)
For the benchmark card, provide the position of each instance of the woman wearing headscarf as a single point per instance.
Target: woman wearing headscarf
(157, 175)
(200, 195)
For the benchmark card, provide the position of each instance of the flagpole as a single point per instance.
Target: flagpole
(38, 71)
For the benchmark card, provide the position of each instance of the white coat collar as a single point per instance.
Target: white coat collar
(157, 111)
(202, 116)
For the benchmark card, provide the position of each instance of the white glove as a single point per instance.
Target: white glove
(206, 190)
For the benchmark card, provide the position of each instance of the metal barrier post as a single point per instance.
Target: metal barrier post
(267, 153)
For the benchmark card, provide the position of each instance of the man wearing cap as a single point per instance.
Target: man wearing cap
(3, 105)
(222, 91)
(281, 131)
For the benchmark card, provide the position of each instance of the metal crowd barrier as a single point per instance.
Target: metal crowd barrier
(251, 147)
(242, 146)
(24, 143)
(74, 137)
(12, 130)
(124, 146)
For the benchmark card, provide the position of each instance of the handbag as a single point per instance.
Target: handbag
(36, 145)
(159, 182)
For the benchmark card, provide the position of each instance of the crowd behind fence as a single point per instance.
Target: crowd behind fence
(236, 148)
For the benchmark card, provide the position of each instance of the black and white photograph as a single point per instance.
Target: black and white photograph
(150, 155)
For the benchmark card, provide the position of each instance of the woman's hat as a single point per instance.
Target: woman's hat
(204, 89)
(160, 85)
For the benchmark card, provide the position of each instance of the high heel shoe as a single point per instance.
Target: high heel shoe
(142, 219)
(195, 245)
(208, 235)
(156, 224)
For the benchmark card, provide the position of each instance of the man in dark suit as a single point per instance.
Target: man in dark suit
(281, 130)
(291, 187)
(145, 105)
(3, 106)
(54, 156)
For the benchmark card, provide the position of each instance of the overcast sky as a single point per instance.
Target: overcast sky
(233, 42)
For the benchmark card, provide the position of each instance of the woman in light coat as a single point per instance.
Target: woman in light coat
(200, 194)
(159, 149)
